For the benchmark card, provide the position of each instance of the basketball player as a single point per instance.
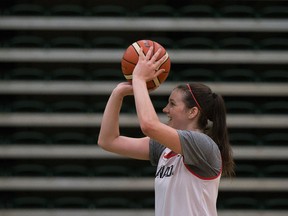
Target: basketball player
(190, 156)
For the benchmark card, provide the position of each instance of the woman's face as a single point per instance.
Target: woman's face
(177, 111)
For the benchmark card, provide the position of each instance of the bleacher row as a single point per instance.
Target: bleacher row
(59, 63)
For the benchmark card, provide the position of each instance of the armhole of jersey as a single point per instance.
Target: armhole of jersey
(190, 169)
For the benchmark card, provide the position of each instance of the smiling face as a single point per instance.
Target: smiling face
(177, 111)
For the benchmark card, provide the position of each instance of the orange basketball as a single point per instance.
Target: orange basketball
(130, 59)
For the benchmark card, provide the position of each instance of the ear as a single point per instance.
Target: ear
(193, 112)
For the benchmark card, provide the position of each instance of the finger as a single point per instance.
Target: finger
(155, 56)
(141, 53)
(161, 61)
(158, 72)
(149, 53)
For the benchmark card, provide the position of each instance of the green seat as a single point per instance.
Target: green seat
(274, 12)
(26, 73)
(68, 42)
(68, 73)
(26, 10)
(28, 202)
(195, 43)
(114, 203)
(71, 106)
(109, 42)
(156, 10)
(67, 10)
(241, 203)
(71, 170)
(71, 202)
(28, 137)
(237, 75)
(28, 106)
(109, 11)
(275, 75)
(197, 10)
(26, 41)
(69, 138)
(195, 74)
(237, 43)
(241, 107)
(237, 11)
(243, 139)
(276, 43)
(35, 170)
(275, 107)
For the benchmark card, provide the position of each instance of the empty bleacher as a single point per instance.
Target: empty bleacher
(59, 63)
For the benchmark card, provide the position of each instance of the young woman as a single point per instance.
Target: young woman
(190, 154)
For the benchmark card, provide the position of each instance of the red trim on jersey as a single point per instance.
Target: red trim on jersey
(201, 177)
(170, 155)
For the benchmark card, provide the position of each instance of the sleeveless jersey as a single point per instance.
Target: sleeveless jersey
(187, 185)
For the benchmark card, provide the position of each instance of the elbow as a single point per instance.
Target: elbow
(148, 128)
(102, 143)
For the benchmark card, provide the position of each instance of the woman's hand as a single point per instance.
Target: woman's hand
(147, 67)
(124, 89)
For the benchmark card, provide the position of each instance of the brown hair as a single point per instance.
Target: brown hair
(212, 107)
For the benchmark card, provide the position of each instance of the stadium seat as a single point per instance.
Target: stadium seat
(71, 202)
(275, 107)
(195, 43)
(68, 73)
(35, 170)
(241, 203)
(70, 170)
(157, 10)
(28, 202)
(28, 106)
(109, 11)
(166, 42)
(26, 10)
(69, 138)
(247, 170)
(276, 171)
(114, 203)
(26, 41)
(241, 138)
(275, 75)
(197, 11)
(68, 42)
(26, 73)
(237, 75)
(275, 139)
(276, 204)
(277, 43)
(241, 107)
(28, 137)
(237, 43)
(71, 106)
(195, 74)
(274, 12)
(237, 11)
(101, 74)
(67, 10)
(109, 42)
(111, 170)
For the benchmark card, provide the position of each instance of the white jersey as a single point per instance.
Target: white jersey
(182, 188)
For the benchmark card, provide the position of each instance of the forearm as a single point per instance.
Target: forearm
(110, 121)
(145, 109)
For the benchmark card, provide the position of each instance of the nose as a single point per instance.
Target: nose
(165, 109)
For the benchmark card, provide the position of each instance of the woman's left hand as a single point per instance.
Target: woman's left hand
(147, 67)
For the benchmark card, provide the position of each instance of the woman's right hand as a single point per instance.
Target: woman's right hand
(124, 89)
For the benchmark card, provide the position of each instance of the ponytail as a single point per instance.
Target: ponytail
(212, 108)
(219, 133)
